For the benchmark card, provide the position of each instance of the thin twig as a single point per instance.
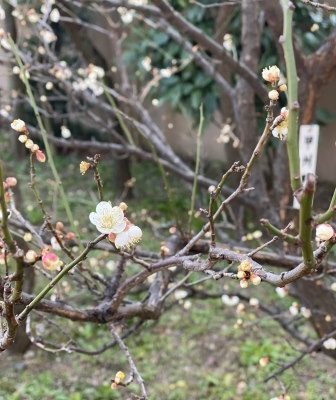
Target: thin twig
(130, 360)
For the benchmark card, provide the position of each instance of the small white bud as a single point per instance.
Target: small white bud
(49, 85)
(30, 256)
(273, 95)
(324, 232)
(23, 138)
(29, 144)
(283, 88)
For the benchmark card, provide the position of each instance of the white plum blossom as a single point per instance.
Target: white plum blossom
(108, 219)
(330, 344)
(128, 238)
(271, 74)
(281, 130)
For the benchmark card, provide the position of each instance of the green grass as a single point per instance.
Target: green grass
(193, 354)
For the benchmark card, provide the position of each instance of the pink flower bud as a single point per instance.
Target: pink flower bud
(59, 225)
(51, 261)
(111, 237)
(40, 156)
(11, 181)
(70, 236)
(7, 197)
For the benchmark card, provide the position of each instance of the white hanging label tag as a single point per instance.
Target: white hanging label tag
(308, 147)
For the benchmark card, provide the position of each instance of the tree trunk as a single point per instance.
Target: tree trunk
(245, 106)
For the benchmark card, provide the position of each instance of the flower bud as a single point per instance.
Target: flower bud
(27, 237)
(324, 232)
(211, 188)
(263, 361)
(40, 156)
(83, 167)
(283, 88)
(330, 344)
(123, 206)
(31, 256)
(119, 377)
(29, 144)
(51, 261)
(23, 138)
(35, 148)
(19, 126)
(59, 226)
(241, 274)
(273, 95)
(244, 284)
(245, 266)
(112, 237)
(11, 181)
(164, 250)
(70, 236)
(255, 279)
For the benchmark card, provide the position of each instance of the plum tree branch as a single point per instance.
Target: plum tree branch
(293, 104)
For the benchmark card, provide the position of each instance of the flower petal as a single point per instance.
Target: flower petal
(135, 232)
(94, 219)
(117, 214)
(119, 227)
(121, 240)
(103, 208)
(103, 229)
